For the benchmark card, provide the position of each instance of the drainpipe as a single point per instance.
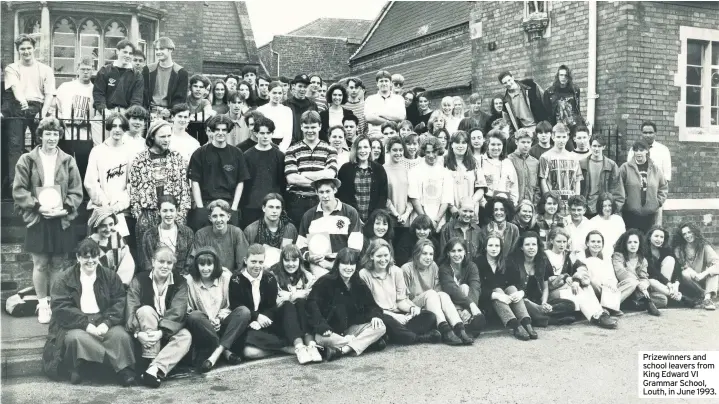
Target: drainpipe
(592, 64)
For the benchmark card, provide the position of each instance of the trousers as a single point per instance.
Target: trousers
(439, 304)
(206, 338)
(357, 336)
(507, 312)
(406, 334)
(173, 348)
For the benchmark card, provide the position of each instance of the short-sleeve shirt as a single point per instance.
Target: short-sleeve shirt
(218, 171)
(377, 104)
(432, 186)
(388, 290)
(301, 158)
(561, 170)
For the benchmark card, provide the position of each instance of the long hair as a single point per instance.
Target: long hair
(508, 208)
(518, 218)
(516, 257)
(374, 246)
(588, 253)
(450, 160)
(368, 229)
(543, 201)
(381, 158)
(606, 196)
(418, 248)
(288, 253)
(445, 260)
(621, 245)
(570, 81)
(501, 263)
(648, 243)
(355, 145)
(461, 112)
(553, 234)
(212, 92)
(679, 241)
(346, 256)
(204, 257)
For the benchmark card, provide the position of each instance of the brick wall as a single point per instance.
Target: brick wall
(6, 35)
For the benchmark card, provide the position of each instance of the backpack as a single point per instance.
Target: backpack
(23, 303)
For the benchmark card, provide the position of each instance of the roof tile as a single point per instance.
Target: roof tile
(335, 28)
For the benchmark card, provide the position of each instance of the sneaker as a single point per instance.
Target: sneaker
(44, 314)
(303, 357)
(521, 334)
(314, 352)
(604, 321)
(431, 337)
(709, 304)
(450, 338)
(652, 309)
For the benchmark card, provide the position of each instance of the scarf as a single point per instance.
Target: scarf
(266, 236)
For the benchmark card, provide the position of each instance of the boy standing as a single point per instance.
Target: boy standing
(600, 174)
(117, 84)
(559, 169)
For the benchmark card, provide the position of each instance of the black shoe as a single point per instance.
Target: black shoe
(566, 320)
(450, 338)
(532, 334)
(521, 334)
(652, 309)
(476, 325)
(205, 366)
(330, 353)
(233, 359)
(127, 377)
(461, 332)
(75, 375)
(614, 313)
(378, 346)
(604, 321)
(431, 337)
(150, 380)
(689, 302)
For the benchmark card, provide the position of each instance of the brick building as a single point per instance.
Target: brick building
(322, 46)
(654, 61)
(212, 37)
(427, 42)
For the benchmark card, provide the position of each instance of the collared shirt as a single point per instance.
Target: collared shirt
(301, 158)
(387, 289)
(377, 104)
(521, 108)
(472, 235)
(255, 282)
(363, 186)
(161, 292)
(209, 300)
(342, 225)
(661, 157)
(88, 300)
(527, 169)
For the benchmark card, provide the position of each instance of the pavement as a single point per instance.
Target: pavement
(568, 364)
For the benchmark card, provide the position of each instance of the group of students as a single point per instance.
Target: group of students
(338, 228)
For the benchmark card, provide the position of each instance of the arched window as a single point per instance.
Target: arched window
(64, 45)
(31, 26)
(115, 32)
(90, 42)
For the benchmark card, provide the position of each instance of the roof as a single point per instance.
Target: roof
(353, 30)
(227, 44)
(440, 71)
(403, 21)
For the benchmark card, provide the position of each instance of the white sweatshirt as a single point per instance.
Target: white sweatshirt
(281, 115)
(107, 174)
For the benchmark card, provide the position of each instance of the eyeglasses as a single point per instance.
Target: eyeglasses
(649, 132)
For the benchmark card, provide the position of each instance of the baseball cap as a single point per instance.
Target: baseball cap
(301, 78)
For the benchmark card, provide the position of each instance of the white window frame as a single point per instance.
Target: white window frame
(706, 132)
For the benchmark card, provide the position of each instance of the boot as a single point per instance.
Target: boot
(448, 336)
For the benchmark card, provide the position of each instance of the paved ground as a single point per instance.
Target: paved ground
(571, 364)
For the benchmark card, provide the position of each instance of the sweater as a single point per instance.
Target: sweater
(418, 281)
(657, 188)
(29, 175)
(231, 247)
(624, 270)
(117, 87)
(106, 178)
(281, 115)
(176, 88)
(450, 283)
(332, 306)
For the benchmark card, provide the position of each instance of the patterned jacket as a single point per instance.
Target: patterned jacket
(143, 185)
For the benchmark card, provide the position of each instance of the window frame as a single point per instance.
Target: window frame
(705, 132)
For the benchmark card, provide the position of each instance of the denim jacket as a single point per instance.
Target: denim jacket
(609, 181)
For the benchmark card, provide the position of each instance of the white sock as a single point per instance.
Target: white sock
(152, 370)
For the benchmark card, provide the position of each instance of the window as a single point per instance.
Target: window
(115, 32)
(698, 75)
(90, 42)
(31, 26)
(64, 46)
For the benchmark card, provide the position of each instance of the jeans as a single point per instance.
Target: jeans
(298, 205)
(16, 126)
(357, 336)
(207, 339)
(406, 334)
(507, 312)
(439, 304)
(173, 348)
(293, 317)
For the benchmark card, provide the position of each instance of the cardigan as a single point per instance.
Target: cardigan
(29, 175)
(331, 306)
(379, 190)
(141, 293)
(450, 284)
(241, 295)
(325, 118)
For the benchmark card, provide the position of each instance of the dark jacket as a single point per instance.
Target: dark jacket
(331, 306)
(469, 277)
(404, 244)
(298, 107)
(655, 266)
(150, 242)
(551, 105)
(176, 88)
(66, 313)
(241, 294)
(532, 93)
(115, 87)
(609, 181)
(325, 117)
(141, 293)
(490, 280)
(379, 189)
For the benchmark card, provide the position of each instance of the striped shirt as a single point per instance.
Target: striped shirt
(301, 158)
(357, 108)
(340, 226)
